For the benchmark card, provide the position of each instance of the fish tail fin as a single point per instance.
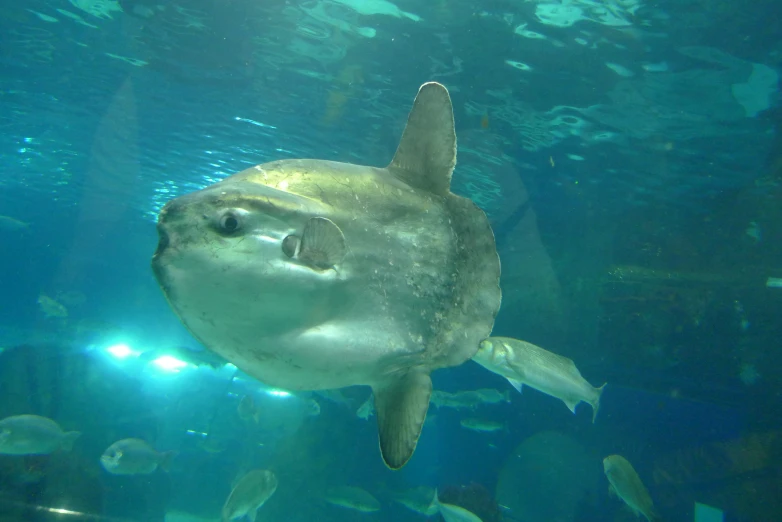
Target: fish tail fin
(165, 459)
(596, 402)
(68, 439)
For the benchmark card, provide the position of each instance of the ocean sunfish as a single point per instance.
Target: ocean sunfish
(311, 275)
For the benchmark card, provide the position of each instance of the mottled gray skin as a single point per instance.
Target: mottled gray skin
(33, 435)
(416, 290)
(250, 493)
(134, 457)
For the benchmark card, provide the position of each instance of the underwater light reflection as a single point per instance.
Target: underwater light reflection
(121, 351)
(169, 363)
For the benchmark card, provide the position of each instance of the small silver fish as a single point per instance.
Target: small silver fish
(352, 497)
(524, 363)
(12, 224)
(627, 485)
(134, 457)
(250, 493)
(247, 410)
(420, 499)
(454, 513)
(33, 435)
(481, 425)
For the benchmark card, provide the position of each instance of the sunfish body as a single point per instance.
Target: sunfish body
(250, 493)
(523, 363)
(33, 435)
(627, 485)
(310, 274)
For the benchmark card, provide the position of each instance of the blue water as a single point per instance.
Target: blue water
(626, 152)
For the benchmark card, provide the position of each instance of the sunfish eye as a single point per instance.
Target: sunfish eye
(289, 245)
(229, 222)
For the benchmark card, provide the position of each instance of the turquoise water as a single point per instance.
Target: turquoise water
(626, 154)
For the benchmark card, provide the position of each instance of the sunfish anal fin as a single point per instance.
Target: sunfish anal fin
(426, 155)
(516, 384)
(401, 403)
(322, 244)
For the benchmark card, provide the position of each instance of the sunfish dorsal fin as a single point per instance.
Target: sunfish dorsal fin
(426, 155)
(401, 403)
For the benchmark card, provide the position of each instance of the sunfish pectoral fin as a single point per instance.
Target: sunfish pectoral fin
(426, 155)
(322, 244)
(252, 514)
(401, 402)
(596, 402)
(515, 383)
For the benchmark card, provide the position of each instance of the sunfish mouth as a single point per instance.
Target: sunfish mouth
(162, 243)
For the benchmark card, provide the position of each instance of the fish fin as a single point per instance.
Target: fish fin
(400, 404)
(68, 439)
(257, 417)
(165, 459)
(434, 505)
(571, 404)
(611, 491)
(426, 155)
(252, 514)
(322, 244)
(596, 403)
(515, 383)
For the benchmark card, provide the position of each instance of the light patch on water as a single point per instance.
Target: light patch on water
(98, 8)
(518, 65)
(122, 351)
(656, 67)
(523, 31)
(620, 70)
(131, 61)
(169, 364)
(44, 17)
(378, 7)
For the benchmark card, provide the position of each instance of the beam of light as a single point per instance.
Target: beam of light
(278, 393)
(63, 511)
(121, 351)
(169, 364)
